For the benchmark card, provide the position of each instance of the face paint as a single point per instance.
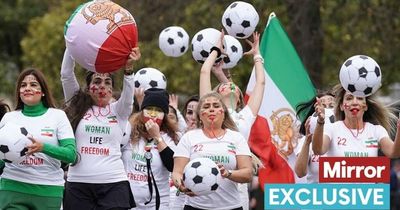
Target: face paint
(154, 113)
(353, 104)
(190, 115)
(100, 88)
(30, 90)
(211, 110)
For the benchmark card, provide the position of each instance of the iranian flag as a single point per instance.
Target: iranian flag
(274, 134)
(100, 35)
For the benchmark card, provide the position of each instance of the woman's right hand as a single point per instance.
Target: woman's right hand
(319, 109)
(178, 182)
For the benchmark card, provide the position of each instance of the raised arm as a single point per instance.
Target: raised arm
(124, 104)
(205, 78)
(320, 142)
(68, 80)
(256, 96)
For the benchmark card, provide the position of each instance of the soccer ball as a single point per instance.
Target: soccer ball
(173, 41)
(329, 118)
(13, 142)
(234, 52)
(202, 43)
(240, 19)
(201, 176)
(360, 75)
(150, 78)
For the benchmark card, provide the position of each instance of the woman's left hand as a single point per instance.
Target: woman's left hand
(255, 45)
(223, 170)
(133, 56)
(153, 129)
(36, 146)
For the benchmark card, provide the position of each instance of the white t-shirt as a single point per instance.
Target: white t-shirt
(312, 162)
(244, 120)
(195, 144)
(100, 133)
(136, 170)
(40, 168)
(346, 143)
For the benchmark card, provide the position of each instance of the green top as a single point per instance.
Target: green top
(66, 152)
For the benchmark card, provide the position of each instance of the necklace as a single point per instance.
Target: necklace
(359, 131)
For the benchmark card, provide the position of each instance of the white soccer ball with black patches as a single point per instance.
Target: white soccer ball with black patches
(360, 75)
(240, 19)
(173, 41)
(202, 42)
(233, 50)
(201, 176)
(13, 143)
(150, 78)
(329, 118)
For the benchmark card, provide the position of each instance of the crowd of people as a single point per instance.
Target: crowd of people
(120, 156)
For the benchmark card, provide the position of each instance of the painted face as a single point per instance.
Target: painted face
(154, 113)
(171, 115)
(100, 89)
(211, 111)
(30, 91)
(353, 106)
(229, 88)
(190, 115)
(328, 101)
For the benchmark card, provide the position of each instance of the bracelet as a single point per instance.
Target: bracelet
(229, 174)
(321, 122)
(158, 140)
(216, 49)
(258, 57)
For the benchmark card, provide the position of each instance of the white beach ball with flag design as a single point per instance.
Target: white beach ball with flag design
(100, 35)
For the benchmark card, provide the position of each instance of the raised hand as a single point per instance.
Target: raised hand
(255, 45)
(173, 101)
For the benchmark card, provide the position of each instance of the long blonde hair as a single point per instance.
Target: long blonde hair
(227, 122)
(376, 113)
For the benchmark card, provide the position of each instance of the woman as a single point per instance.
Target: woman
(215, 137)
(360, 130)
(243, 115)
(37, 182)
(98, 179)
(189, 112)
(307, 163)
(148, 159)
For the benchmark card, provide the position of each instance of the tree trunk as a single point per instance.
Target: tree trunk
(306, 34)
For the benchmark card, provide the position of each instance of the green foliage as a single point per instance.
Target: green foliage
(350, 27)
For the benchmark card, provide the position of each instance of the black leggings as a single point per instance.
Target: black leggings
(193, 208)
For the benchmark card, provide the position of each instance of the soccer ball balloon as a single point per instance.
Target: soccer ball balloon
(13, 142)
(240, 19)
(150, 78)
(360, 75)
(202, 43)
(329, 118)
(173, 41)
(100, 35)
(234, 52)
(201, 176)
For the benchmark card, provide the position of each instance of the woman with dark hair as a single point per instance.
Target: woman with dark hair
(307, 163)
(98, 180)
(189, 112)
(360, 130)
(216, 137)
(148, 159)
(37, 182)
